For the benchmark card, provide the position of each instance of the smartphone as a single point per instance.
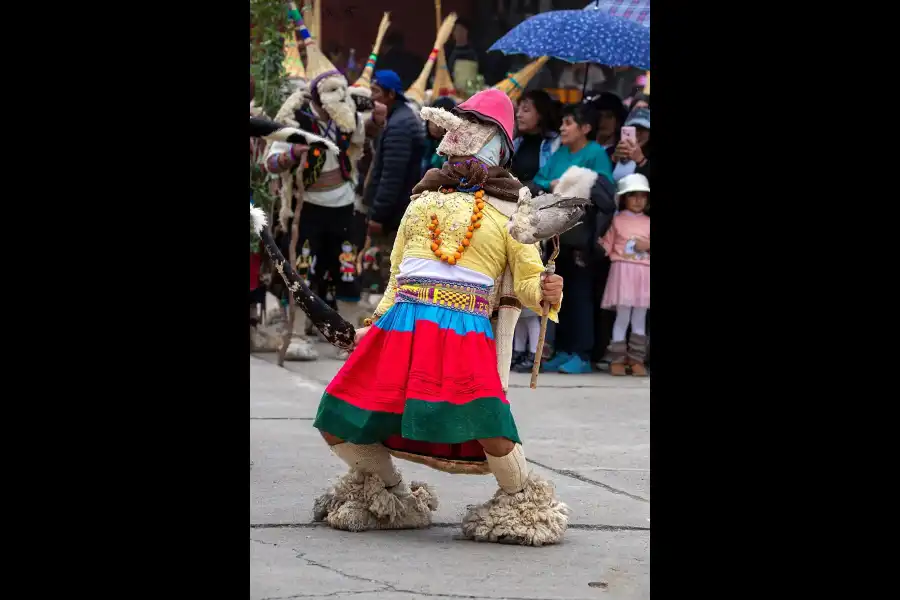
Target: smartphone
(628, 133)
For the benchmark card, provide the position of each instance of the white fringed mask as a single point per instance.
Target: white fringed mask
(337, 102)
(465, 137)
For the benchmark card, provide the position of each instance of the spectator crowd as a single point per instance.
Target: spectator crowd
(605, 261)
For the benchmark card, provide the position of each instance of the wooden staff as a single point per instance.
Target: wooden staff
(550, 269)
(292, 255)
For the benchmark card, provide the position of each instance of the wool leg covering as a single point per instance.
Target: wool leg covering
(369, 458)
(511, 471)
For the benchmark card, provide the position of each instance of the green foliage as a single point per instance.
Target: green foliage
(268, 23)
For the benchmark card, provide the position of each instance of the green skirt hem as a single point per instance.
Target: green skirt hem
(421, 420)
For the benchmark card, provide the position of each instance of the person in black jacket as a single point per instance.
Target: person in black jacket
(634, 156)
(604, 196)
(396, 167)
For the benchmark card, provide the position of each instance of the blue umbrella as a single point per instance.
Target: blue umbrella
(633, 10)
(580, 36)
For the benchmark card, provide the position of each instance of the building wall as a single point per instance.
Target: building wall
(354, 23)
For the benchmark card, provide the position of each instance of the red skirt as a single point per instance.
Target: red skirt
(424, 382)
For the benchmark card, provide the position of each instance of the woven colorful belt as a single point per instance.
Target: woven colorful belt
(327, 181)
(464, 298)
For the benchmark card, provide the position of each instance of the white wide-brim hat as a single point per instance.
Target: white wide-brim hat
(633, 183)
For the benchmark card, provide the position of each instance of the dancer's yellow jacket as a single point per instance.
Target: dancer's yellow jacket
(489, 248)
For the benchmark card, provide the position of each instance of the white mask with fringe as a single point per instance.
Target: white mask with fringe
(337, 102)
(464, 138)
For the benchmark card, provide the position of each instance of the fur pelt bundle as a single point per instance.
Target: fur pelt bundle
(532, 517)
(360, 502)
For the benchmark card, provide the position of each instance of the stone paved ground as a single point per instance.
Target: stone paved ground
(589, 434)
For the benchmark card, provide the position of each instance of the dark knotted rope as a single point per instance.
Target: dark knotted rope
(333, 326)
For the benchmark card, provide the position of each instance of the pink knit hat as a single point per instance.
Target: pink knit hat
(493, 106)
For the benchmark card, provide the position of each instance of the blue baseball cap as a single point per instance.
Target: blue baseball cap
(389, 81)
(639, 117)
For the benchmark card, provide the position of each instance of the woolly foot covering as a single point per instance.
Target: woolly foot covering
(532, 517)
(359, 502)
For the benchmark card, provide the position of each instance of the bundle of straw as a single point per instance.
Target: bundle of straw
(293, 65)
(514, 85)
(309, 17)
(443, 83)
(365, 79)
(317, 15)
(416, 93)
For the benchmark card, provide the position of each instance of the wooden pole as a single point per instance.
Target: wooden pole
(292, 256)
(550, 269)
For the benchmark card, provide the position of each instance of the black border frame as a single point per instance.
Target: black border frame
(153, 439)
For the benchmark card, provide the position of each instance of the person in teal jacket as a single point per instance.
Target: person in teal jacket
(577, 148)
(573, 338)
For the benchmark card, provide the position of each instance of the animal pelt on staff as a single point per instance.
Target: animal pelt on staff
(273, 132)
(335, 328)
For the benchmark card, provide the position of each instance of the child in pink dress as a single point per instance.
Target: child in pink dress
(627, 242)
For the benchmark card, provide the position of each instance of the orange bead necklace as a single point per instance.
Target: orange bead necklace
(436, 230)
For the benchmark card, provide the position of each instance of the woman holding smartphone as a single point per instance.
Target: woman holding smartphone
(632, 155)
(632, 151)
